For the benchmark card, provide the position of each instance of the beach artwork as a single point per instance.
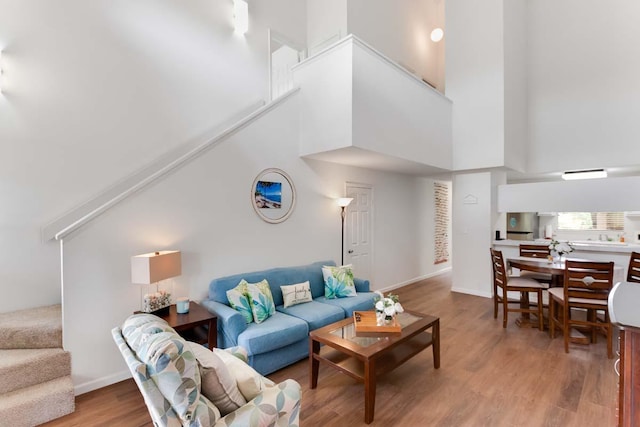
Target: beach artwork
(268, 195)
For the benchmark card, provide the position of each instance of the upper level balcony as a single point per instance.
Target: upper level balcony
(360, 108)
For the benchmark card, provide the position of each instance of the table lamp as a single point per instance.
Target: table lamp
(151, 268)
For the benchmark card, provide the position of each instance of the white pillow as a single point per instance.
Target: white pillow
(296, 294)
(217, 383)
(249, 381)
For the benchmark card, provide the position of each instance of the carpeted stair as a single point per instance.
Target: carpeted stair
(35, 372)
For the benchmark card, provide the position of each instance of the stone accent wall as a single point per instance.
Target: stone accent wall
(441, 243)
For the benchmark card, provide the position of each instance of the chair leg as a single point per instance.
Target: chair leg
(591, 317)
(540, 317)
(505, 308)
(566, 327)
(552, 318)
(495, 305)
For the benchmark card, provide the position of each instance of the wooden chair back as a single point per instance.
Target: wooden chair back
(633, 275)
(588, 280)
(499, 271)
(534, 251)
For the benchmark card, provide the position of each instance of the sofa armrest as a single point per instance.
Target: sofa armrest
(230, 323)
(362, 285)
(276, 406)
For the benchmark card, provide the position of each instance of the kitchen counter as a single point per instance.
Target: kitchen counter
(581, 246)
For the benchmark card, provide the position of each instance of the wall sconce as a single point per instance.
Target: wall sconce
(584, 174)
(437, 35)
(240, 16)
(151, 268)
(343, 202)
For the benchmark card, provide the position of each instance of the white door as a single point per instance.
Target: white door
(359, 227)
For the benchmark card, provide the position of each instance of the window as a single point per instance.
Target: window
(605, 221)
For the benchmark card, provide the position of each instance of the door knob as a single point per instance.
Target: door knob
(350, 251)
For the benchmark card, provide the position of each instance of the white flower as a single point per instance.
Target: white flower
(380, 305)
(398, 308)
(390, 310)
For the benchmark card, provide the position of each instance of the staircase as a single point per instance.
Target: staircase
(35, 372)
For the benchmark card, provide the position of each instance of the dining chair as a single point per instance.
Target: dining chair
(586, 286)
(633, 275)
(536, 251)
(524, 286)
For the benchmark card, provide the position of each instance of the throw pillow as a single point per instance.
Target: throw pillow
(338, 282)
(239, 300)
(260, 300)
(296, 294)
(217, 383)
(249, 381)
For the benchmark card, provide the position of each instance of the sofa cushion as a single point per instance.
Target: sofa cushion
(276, 278)
(338, 282)
(260, 300)
(239, 301)
(277, 331)
(363, 301)
(217, 382)
(248, 380)
(174, 370)
(314, 313)
(296, 294)
(137, 328)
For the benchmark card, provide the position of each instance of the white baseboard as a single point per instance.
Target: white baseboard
(472, 292)
(414, 280)
(79, 389)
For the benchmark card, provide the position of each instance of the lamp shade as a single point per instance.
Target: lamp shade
(343, 202)
(155, 266)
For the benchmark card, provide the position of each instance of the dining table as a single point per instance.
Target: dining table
(556, 268)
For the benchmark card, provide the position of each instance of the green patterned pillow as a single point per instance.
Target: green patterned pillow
(239, 300)
(261, 300)
(338, 282)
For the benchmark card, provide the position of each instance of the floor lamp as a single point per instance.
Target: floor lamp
(343, 202)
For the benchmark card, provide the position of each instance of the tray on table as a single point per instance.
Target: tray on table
(366, 322)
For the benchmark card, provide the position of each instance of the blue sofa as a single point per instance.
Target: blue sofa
(283, 338)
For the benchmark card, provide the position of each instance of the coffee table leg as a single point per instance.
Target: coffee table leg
(435, 336)
(369, 390)
(314, 364)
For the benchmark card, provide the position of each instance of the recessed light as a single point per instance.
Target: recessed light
(584, 174)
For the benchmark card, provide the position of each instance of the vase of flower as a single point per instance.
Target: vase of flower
(560, 249)
(387, 308)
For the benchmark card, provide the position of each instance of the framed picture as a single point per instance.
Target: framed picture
(273, 195)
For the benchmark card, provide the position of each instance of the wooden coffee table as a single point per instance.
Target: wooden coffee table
(365, 357)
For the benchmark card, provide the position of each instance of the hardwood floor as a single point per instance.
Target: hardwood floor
(489, 376)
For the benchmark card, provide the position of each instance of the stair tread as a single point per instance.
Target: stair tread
(39, 327)
(37, 404)
(35, 392)
(23, 356)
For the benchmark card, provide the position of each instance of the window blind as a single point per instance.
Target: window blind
(605, 221)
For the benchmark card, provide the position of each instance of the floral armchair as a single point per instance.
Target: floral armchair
(170, 371)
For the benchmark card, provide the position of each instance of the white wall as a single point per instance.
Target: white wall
(204, 210)
(472, 233)
(475, 82)
(401, 30)
(326, 23)
(95, 90)
(515, 84)
(596, 195)
(584, 96)
(397, 115)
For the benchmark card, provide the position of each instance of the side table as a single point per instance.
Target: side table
(198, 325)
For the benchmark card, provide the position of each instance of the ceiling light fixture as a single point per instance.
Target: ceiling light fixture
(584, 174)
(1, 71)
(437, 35)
